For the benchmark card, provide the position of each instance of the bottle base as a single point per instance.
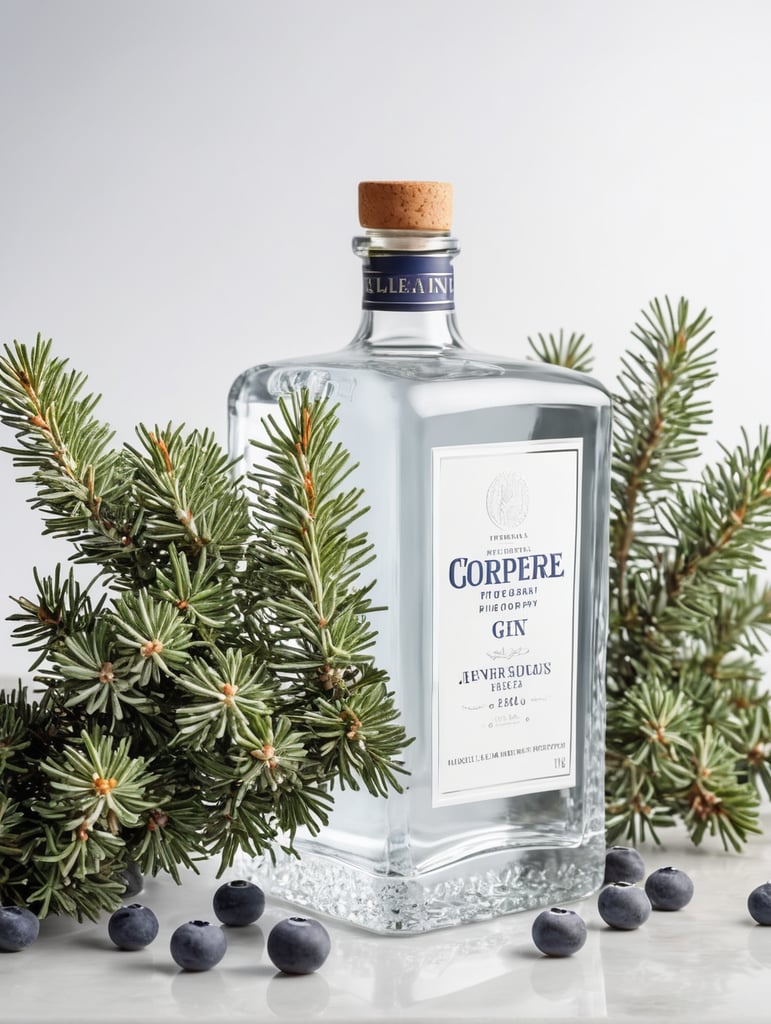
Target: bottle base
(487, 886)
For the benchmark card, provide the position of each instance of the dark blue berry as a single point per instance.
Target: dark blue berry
(198, 945)
(132, 927)
(238, 903)
(623, 906)
(559, 932)
(134, 879)
(623, 864)
(298, 945)
(669, 889)
(18, 928)
(759, 903)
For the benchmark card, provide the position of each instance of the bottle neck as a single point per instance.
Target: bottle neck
(408, 292)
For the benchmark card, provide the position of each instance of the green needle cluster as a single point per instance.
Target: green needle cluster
(222, 684)
(689, 722)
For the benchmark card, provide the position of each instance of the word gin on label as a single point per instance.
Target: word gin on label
(488, 482)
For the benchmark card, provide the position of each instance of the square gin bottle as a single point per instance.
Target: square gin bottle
(488, 485)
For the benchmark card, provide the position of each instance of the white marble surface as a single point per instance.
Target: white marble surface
(708, 962)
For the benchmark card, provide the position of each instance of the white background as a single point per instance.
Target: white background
(178, 178)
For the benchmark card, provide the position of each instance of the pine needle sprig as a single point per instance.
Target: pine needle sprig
(717, 803)
(688, 725)
(15, 740)
(735, 633)
(170, 836)
(60, 608)
(356, 733)
(653, 725)
(724, 524)
(173, 719)
(198, 595)
(153, 633)
(73, 875)
(323, 651)
(658, 421)
(92, 672)
(185, 481)
(58, 438)
(574, 352)
(224, 695)
(97, 781)
(302, 523)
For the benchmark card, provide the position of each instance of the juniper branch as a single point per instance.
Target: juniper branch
(182, 713)
(688, 726)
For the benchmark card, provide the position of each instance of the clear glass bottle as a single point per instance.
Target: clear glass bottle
(488, 481)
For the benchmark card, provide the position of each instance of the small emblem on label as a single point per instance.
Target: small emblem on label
(508, 500)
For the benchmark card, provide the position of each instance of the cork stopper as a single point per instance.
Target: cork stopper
(406, 205)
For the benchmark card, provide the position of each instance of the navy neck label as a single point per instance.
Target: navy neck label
(408, 281)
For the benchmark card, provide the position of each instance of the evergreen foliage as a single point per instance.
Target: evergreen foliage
(688, 720)
(209, 701)
(213, 683)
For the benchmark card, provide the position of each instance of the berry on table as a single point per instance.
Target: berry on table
(623, 864)
(198, 945)
(669, 889)
(623, 906)
(19, 928)
(238, 903)
(759, 903)
(133, 927)
(298, 945)
(559, 932)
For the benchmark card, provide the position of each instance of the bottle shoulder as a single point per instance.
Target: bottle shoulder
(339, 371)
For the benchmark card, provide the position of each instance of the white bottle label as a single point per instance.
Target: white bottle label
(506, 529)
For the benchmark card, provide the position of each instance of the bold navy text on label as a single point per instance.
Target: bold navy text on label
(477, 572)
(405, 281)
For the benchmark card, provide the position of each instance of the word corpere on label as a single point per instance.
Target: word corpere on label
(476, 572)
